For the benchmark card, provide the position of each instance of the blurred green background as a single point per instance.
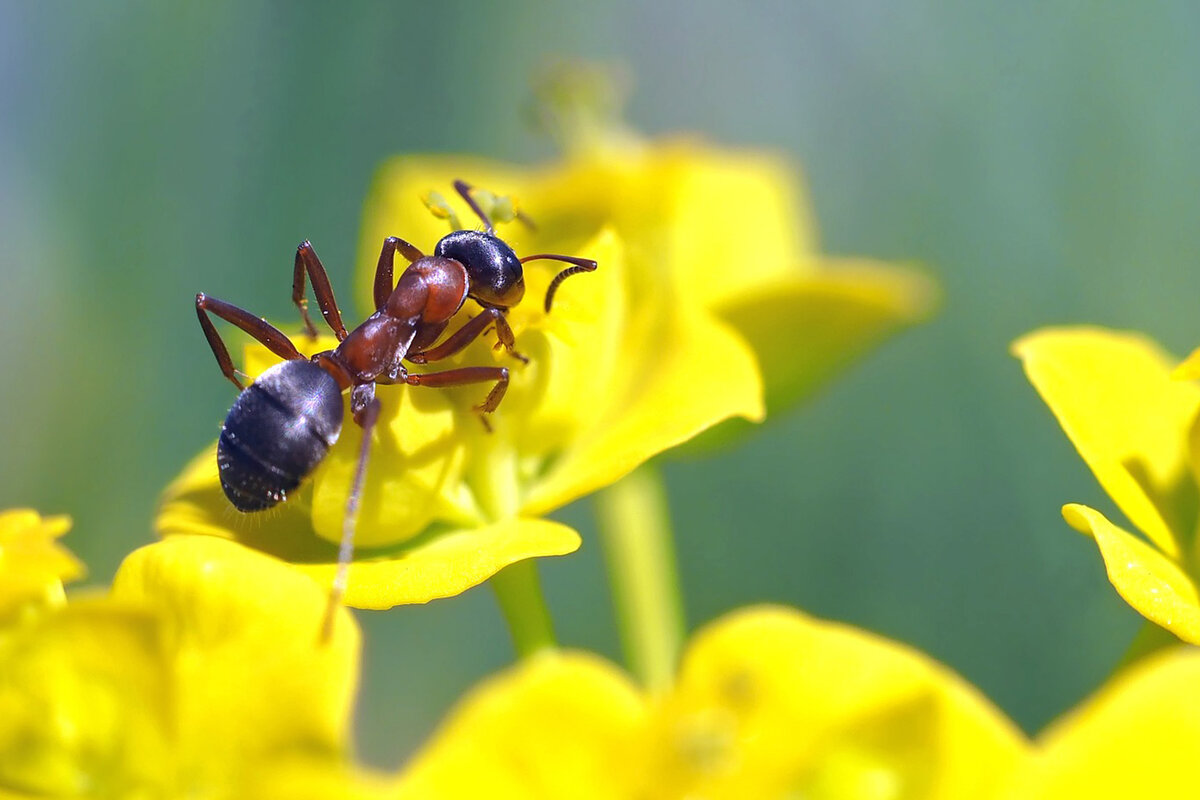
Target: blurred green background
(1039, 158)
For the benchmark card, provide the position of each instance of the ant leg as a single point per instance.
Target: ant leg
(365, 408)
(307, 261)
(387, 258)
(270, 336)
(472, 330)
(465, 375)
(580, 265)
(464, 189)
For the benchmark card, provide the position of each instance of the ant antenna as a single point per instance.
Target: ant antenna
(580, 265)
(349, 523)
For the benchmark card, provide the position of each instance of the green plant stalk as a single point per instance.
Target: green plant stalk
(519, 592)
(518, 588)
(636, 534)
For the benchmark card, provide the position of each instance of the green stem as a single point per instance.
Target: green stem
(636, 534)
(519, 592)
(517, 587)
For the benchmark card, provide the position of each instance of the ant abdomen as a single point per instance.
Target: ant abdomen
(279, 429)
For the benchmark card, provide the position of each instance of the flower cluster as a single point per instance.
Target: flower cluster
(200, 673)
(768, 703)
(215, 665)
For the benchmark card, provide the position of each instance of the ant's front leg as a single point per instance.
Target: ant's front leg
(270, 336)
(472, 330)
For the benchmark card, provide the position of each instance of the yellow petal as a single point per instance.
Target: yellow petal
(1189, 368)
(1156, 586)
(1136, 738)
(448, 562)
(254, 674)
(734, 219)
(415, 464)
(557, 725)
(309, 778)
(770, 701)
(33, 566)
(805, 327)
(85, 704)
(443, 562)
(699, 374)
(1114, 397)
(194, 504)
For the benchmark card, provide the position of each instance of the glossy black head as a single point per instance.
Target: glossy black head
(492, 267)
(278, 430)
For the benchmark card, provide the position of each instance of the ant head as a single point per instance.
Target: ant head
(493, 269)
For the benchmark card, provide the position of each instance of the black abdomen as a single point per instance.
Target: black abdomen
(278, 430)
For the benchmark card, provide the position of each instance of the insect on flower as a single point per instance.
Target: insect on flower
(281, 426)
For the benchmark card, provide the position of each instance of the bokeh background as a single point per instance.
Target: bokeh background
(1038, 158)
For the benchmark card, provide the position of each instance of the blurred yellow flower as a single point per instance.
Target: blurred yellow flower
(200, 674)
(769, 703)
(33, 566)
(1135, 426)
(1136, 738)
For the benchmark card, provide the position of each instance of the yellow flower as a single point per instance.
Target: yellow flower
(1136, 427)
(725, 233)
(734, 228)
(769, 703)
(709, 280)
(201, 674)
(33, 566)
(1136, 738)
(618, 372)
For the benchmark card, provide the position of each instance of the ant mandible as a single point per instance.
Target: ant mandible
(282, 425)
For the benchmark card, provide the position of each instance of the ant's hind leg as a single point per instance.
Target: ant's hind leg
(262, 331)
(365, 407)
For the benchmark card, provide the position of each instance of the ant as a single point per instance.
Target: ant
(282, 425)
